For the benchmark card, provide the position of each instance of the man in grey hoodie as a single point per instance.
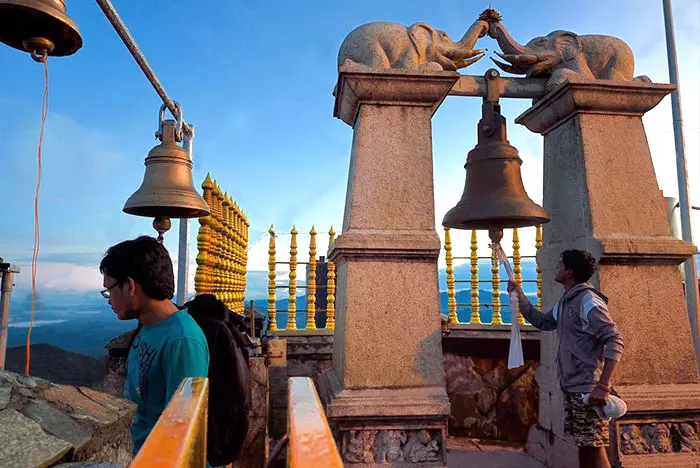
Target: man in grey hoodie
(590, 346)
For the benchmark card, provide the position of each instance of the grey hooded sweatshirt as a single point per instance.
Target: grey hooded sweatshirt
(587, 335)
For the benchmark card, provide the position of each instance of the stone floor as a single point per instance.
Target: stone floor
(465, 453)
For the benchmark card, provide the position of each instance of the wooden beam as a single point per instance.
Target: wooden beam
(519, 88)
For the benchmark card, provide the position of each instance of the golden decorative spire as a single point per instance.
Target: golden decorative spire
(496, 290)
(203, 277)
(517, 271)
(451, 299)
(311, 287)
(330, 286)
(292, 308)
(474, 283)
(272, 284)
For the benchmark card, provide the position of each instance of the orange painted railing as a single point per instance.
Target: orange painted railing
(179, 439)
(311, 443)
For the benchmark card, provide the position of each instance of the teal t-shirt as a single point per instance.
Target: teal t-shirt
(160, 357)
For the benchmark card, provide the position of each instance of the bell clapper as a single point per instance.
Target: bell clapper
(496, 235)
(162, 225)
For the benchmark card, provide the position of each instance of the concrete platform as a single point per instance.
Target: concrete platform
(466, 453)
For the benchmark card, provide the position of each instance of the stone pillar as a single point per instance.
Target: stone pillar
(385, 394)
(602, 195)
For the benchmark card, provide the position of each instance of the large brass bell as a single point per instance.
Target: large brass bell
(494, 197)
(40, 27)
(167, 190)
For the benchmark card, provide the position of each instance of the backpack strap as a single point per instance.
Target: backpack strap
(133, 337)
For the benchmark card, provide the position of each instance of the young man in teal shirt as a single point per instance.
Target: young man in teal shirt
(139, 284)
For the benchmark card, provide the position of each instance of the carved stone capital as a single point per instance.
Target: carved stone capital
(358, 86)
(592, 97)
(375, 244)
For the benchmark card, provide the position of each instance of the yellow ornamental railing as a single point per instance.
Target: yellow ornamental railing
(272, 284)
(222, 244)
(496, 280)
(312, 285)
(179, 438)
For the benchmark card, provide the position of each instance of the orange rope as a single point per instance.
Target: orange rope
(37, 238)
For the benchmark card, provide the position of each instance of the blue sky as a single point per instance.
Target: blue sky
(255, 78)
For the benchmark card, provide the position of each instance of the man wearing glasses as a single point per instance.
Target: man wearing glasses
(169, 346)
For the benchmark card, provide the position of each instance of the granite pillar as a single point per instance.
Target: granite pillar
(601, 192)
(385, 394)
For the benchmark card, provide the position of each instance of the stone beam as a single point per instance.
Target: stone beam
(519, 88)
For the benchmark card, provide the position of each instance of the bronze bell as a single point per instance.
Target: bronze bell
(39, 26)
(167, 190)
(494, 197)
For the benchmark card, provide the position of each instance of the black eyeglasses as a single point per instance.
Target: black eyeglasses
(106, 291)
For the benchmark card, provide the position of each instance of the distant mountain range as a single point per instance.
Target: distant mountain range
(74, 321)
(57, 365)
(83, 322)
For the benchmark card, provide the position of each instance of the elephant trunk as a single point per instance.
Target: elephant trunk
(508, 45)
(517, 64)
(477, 30)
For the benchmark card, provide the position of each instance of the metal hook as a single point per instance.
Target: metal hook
(38, 47)
(179, 117)
(40, 56)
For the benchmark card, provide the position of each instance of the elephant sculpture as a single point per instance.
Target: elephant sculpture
(561, 55)
(417, 47)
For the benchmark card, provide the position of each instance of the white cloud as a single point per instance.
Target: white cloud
(61, 276)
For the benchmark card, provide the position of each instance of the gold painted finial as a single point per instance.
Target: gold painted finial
(207, 184)
(272, 284)
(330, 286)
(474, 282)
(451, 295)
(311, 286)
(292, 304)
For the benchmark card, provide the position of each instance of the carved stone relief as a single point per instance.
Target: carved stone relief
(660, 437)
(391, 446)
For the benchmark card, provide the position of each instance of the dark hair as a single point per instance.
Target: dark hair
(580, 262)
(144, 260)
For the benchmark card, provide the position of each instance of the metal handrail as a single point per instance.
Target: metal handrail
(311, 443)
(179, 438)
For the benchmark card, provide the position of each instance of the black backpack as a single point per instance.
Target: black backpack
(229, 378)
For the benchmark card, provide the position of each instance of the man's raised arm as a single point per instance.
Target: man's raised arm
(542, 321)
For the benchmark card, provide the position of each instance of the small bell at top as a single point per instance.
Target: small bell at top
(494, 197)
(167, 189)
(40, 27)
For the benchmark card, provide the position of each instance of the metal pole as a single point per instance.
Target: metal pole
(7, 272)
(691, 276)
(183, 255)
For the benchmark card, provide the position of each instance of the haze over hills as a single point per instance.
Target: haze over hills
(83, 322)
(57, 365)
